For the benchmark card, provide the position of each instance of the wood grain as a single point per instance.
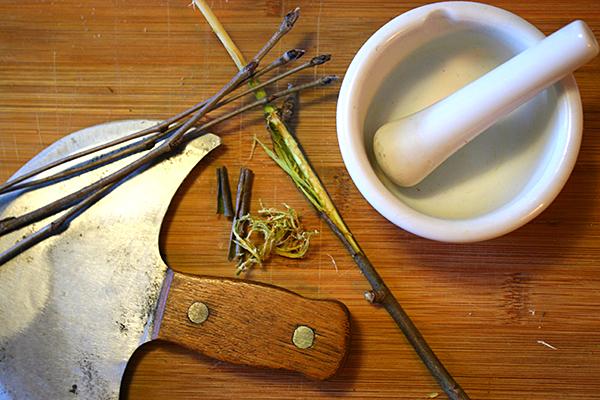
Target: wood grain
(483, 307)
(253, 324)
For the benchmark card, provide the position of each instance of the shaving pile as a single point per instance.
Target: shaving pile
(272, 231)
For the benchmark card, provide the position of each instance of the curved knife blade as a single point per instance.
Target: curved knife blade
(76, 306)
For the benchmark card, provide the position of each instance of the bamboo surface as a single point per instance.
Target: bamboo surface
(486, 309)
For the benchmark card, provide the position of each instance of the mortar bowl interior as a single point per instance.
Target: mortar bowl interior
(496, 183)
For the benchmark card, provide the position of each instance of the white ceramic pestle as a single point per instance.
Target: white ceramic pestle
(410, 148)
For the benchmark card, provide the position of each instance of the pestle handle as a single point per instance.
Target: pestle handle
(411, 148)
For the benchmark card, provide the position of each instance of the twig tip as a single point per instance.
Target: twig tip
(293, 54)
(329, 79)
(290, 19)
(320, 59)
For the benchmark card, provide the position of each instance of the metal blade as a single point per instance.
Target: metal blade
(75, 307)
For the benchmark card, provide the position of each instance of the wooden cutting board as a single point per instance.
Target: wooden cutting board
(486, 309)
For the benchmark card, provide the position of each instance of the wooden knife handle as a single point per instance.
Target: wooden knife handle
(255, 324)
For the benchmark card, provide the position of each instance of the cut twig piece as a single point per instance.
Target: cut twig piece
(242, 207)
(220, 209)
(288, 56)
(225, 193)
(245, 205)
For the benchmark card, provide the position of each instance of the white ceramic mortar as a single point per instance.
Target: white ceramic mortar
(498, 182)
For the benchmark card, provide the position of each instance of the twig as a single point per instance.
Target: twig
(96, 162)
(242, 207)
(166, 147)
(144, 144)
(224, 193)
(161, 129)
(384, 296)
(13, 223)
(8, 186)
(220, 202)
(54, 228)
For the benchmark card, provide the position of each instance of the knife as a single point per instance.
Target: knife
(75, 307)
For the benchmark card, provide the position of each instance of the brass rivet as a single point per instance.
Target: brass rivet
(198, 312)
(303, 337)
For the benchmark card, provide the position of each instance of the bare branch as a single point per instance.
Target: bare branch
(182, 134)
(160, 131)
(168, 146)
